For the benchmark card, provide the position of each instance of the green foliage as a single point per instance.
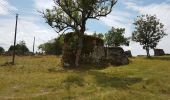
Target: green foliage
(2, 50)
(20, 48)
(115, 37)
(148, 32)
(73, 14)
(99, 35)
(53, 47)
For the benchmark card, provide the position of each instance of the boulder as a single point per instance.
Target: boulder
(159, 52)
(116, 56)
(128, 53)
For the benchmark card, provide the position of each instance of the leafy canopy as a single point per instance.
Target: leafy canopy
(73, 14)
(115, 37)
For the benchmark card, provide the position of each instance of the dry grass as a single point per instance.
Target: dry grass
(41, 78)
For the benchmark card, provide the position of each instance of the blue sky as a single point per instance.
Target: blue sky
(32, 24)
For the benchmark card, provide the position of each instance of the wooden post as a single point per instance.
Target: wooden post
(33, 46)
(13, 59)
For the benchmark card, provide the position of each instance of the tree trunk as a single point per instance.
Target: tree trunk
(79, 49)
(80, 40)
(147, 51)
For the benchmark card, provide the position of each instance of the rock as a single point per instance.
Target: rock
(128, 53)
(98, 54)
(159, 52)
(116, 56)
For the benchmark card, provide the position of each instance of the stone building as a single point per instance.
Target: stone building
(159, 52)
(93, 51)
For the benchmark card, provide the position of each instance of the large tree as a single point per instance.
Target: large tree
(73, 14)
(115, 37)
(148, 32)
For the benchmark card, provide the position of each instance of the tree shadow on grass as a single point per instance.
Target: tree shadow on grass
(107, 80)
(87, 67)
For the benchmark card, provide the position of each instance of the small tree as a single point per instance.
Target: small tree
(115, 37)
(148, 32)
(1, 50)
(73, 14)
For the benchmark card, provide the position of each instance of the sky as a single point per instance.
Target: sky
(31, 24)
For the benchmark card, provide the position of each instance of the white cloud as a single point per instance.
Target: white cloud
(123, 19)
(29, 26)
(43, 4)
(119, 19)
(27, 29)
(162, 12)
(6, 7)
(89, 32)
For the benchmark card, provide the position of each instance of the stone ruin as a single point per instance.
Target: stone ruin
(128, 53)
(116, 56)
(93, 52)
(159, 52)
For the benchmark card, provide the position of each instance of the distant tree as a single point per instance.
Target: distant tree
(94, 34)
(42, 47)
(20, 48)
(99, 35)
(1, 50)
(115, 37)
(73, 14)
(148, 32)
(53, 47)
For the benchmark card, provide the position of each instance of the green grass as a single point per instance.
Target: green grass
(42, 78)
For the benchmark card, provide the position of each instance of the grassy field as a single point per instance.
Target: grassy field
(41, 78)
